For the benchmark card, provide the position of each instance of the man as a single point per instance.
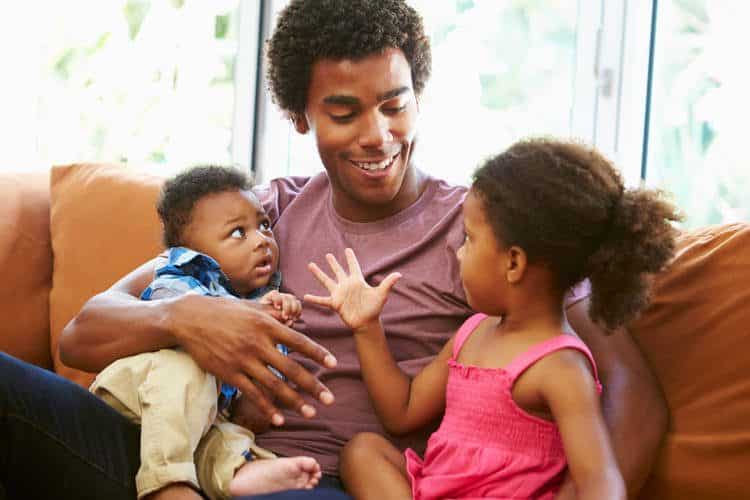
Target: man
(350, 72)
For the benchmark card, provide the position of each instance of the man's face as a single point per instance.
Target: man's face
(233, 228)
(363, 114)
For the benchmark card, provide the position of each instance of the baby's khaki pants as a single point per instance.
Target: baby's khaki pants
(175, 402)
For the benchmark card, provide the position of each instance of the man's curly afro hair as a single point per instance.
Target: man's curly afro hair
(309, 30)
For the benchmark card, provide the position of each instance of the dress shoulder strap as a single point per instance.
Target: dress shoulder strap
(464, 331)
(523, 361)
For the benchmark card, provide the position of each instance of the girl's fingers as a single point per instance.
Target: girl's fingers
(389, 281)
(317, 299)
(322, 277)
(353, 263)
(338, 271)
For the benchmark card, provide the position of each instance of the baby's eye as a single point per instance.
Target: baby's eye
(264, 226)
(238, 233)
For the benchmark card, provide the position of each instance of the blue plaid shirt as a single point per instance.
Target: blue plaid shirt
(187, 271)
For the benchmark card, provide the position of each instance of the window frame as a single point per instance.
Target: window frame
(611, 88)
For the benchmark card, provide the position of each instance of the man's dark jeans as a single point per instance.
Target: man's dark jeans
(59, 441)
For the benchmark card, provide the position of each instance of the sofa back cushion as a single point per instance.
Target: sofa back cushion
(103, 225)
(26, 261)
(696, 334)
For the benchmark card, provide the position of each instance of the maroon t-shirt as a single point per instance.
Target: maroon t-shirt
(424, 309)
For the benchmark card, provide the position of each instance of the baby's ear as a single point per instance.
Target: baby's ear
(515, 265)
(299, 120)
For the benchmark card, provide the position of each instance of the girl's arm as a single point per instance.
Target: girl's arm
(402, 404)
(570, 392)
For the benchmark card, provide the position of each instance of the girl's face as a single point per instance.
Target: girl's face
(482, 260)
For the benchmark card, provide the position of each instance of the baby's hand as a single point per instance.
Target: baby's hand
(358, 304)
(287, 305)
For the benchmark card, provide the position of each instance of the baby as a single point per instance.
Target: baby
(219, 243)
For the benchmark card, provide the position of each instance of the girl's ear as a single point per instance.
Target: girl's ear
(515, 265)
(299, 120)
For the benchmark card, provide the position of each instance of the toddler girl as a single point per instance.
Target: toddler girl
(518, 391)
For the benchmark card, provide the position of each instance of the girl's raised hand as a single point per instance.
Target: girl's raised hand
(358, 303)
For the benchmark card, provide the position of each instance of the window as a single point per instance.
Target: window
(172, 83)
(648, 83)
(698, 108)
(138, 81)
(501, 71)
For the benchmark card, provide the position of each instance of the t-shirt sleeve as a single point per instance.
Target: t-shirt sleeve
(278, 194)
(577, 293)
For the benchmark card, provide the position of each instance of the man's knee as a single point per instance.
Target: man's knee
(11, 371)
(5, 378)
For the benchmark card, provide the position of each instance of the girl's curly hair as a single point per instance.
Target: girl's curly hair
(309, 30)
(566, 205)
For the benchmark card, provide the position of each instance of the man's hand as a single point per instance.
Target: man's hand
(287, 307)
(248, 415)
(236, 340)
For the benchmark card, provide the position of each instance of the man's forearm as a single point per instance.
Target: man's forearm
(637, 418)
(633, 404)
(113, 325)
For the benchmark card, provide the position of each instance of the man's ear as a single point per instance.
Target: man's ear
(299, 120)
(515, 265)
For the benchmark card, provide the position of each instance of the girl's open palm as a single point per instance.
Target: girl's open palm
(358, 303)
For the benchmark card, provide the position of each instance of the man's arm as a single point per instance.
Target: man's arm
(233, 339)
(570, 392)
(632, 401)
(93, 338)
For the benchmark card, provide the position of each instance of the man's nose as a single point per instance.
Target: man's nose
(375, 131)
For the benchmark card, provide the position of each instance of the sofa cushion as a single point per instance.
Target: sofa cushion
(103, 225)
(696, 334)
(26, 261)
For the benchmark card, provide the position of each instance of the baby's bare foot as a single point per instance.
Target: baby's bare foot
(275, 474)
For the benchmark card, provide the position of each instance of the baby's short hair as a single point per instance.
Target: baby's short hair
(181, 192)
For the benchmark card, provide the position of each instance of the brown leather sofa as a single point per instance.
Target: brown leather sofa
(68, 234)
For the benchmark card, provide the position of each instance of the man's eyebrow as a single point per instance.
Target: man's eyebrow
(347, 100)
(342, 100)
(392, 93)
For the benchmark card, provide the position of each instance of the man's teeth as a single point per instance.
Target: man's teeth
(375, 166)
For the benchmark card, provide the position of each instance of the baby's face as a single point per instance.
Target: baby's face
(233, 228)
